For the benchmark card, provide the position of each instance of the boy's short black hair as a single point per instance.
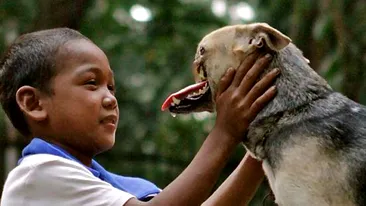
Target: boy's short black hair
(30, 60)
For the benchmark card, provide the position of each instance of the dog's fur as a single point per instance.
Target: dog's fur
(311, 139)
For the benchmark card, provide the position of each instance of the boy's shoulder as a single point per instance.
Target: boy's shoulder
(41, 170)
(40, 161)
(46, 166)
(43, 179)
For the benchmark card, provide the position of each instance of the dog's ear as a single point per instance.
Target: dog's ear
(262, 34)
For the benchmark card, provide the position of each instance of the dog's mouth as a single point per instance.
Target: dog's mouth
(193, 98)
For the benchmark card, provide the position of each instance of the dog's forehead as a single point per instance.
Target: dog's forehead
(224, 35)
(218, 36)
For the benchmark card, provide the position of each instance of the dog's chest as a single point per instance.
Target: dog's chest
(306, 175)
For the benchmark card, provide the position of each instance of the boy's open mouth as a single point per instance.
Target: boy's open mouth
(191, 98)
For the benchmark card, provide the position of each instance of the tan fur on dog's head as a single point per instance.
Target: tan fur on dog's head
(228, 46)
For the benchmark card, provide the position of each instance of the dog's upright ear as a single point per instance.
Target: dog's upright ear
(262, 34)
(252, 36)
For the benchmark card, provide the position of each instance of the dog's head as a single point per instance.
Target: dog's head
(217, 51)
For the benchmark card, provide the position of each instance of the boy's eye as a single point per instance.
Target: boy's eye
(111, 87)
(92, 82)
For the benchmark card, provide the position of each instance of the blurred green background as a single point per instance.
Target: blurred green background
(151, 44)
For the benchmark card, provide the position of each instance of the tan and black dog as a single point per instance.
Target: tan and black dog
(312, 140)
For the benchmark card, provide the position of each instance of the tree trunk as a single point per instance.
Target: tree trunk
(351, 62)
(60, 13)
(303, 19)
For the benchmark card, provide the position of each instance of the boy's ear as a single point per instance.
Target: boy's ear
(265, 34)
(29, 102)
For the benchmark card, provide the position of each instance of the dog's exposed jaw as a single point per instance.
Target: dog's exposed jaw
(199, 103)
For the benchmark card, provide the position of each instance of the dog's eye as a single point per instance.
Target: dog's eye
(202, 50)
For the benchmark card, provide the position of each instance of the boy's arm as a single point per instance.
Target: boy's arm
(237, 103)
(240, 186)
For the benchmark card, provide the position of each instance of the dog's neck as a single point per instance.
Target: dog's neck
(298, 86)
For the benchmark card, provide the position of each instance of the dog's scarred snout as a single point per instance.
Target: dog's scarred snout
(196, 64)
(199, 71)
(195, 70)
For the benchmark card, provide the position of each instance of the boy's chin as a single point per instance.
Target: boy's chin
(106, 144)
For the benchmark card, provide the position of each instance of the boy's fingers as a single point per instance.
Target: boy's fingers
(262, 101)
(251, 77)
(243, 68)
(260, 87)
(225, 81)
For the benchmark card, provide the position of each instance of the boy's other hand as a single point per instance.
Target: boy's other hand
(239, 98)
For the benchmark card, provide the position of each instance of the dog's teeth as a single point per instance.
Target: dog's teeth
(176, 101)
(172, 104)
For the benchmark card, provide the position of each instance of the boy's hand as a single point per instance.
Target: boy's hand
(239, 98)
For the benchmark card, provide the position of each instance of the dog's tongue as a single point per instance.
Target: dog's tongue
(181, 94)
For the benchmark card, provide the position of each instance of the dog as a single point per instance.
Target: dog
(311, 139)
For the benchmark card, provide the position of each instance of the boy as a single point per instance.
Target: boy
(57, 88)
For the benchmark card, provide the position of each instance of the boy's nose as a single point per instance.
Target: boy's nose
(109, 102)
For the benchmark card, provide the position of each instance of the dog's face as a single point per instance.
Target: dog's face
(217, 51)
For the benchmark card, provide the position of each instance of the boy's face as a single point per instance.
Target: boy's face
(83, 111)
